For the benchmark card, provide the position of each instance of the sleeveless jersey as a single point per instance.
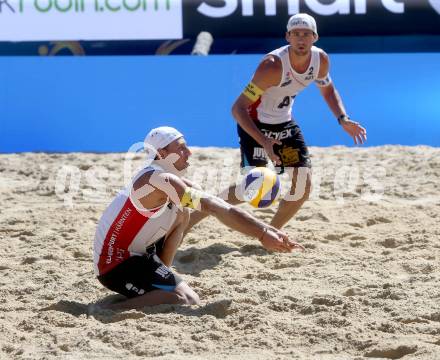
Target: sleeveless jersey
(275, 105)
(125, 230)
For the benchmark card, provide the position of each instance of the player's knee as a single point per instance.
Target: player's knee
(185, 217)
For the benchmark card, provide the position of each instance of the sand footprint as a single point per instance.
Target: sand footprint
(220, 308)
(15, 221)
(378, 220)
(268, 276)
(253, 250)
(356, 225)
(392, 352)
(390, 243)
(354, 292)
(326, 301)
(358, 237)
(316, 216)
(188, 258)
(337, 236)
(81, 255)
(29, 260)
(24, 233)
(289, 264)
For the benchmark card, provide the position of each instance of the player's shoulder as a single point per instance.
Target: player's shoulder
(271, 64)
(172, 179)
(167, 176)
(323, 56)
(148, 175)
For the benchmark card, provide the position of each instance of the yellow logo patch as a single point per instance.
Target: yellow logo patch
(289, 156)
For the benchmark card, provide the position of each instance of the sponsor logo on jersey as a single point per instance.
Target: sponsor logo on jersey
(286, 83)
(114, 237)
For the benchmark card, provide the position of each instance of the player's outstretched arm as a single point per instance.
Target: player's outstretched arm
(235, 218)
(334, 102)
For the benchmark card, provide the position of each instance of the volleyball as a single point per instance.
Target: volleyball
(260, 187)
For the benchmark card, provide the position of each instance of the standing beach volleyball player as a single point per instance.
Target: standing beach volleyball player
(264, 114)
(140, 231)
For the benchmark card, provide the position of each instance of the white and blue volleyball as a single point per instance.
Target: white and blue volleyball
(261, 187)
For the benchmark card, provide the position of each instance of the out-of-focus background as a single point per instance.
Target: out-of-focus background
(79, 75)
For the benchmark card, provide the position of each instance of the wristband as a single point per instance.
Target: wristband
(191, 198)
(342, 118)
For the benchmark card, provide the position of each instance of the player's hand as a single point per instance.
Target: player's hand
(268, 147)
(355, 130)
(276, 240)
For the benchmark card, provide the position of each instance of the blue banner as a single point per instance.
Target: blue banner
(106, 104)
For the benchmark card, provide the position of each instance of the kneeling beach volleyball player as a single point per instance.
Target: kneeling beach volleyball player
(140, 231)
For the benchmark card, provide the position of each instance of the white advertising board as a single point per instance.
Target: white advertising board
(51, 20)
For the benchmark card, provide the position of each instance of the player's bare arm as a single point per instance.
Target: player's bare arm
(191, 184)
(147, 194)
(271, 238)
(334, 102)
(267, 74)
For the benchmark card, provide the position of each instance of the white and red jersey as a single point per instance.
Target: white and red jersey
(125, 230)
(275, 105)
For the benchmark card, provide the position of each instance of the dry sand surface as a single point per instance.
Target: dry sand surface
(368, 285)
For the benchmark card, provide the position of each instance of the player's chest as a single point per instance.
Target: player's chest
(293, 82)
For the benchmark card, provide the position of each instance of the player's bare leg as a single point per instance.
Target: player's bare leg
(174, 238)
(182, 295)
(299, 192)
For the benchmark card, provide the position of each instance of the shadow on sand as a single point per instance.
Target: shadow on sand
(194, 260)
(220, 309)
(189, 261)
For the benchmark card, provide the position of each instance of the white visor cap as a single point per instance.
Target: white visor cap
(302, 21)
(158, 138)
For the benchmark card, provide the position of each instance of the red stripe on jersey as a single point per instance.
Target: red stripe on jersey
(119, 237)
(252, 109)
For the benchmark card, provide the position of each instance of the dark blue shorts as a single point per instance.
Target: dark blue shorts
(293, 151)
(140, 274)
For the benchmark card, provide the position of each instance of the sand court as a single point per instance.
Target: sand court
(367, 286)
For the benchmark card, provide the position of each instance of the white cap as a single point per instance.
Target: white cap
(302, 21)
(158, 138)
